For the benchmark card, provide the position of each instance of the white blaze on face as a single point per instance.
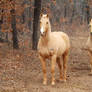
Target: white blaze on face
(42, 30)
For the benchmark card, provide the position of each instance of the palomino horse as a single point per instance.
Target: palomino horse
(53, 46)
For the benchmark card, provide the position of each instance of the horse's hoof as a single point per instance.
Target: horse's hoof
(60, 79)
(44, 83)
(53, 83)
(64, 80)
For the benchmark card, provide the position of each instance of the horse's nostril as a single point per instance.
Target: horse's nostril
(43, 34)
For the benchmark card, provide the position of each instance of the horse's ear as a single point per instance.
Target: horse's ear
(47, 16)
(41, 15)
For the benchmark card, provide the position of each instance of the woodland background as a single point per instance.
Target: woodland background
(20, 67)
(21, 17)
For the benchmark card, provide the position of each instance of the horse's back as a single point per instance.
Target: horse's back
(63, 36)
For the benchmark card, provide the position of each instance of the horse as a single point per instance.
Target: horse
(54, 46)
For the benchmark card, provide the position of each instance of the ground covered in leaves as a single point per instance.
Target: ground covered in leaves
(20, 70)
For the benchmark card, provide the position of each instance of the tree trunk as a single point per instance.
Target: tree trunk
(73, 14)
(29, 20)
(88, 13)
(14, 30)
(23, 18)
(1, 22)
(37, 9)
(65, 8)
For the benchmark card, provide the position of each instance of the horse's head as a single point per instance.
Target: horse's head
(44, 24)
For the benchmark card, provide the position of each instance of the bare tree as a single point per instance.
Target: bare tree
(14, 30)
(37, 9)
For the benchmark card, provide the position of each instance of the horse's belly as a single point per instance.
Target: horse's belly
(59, 46)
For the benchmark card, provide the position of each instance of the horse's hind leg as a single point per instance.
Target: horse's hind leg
(65, 59)
(60, 68)
(44, 70)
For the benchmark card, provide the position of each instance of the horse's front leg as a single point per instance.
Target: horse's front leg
(44, 69)
(53, 62)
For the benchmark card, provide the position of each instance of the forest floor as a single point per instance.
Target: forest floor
(20, 70)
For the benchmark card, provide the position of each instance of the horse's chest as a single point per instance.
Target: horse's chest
(46, 52)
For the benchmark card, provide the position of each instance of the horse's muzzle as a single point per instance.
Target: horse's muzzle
(43, 34)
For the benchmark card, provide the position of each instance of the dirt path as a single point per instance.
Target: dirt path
(20, 71)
